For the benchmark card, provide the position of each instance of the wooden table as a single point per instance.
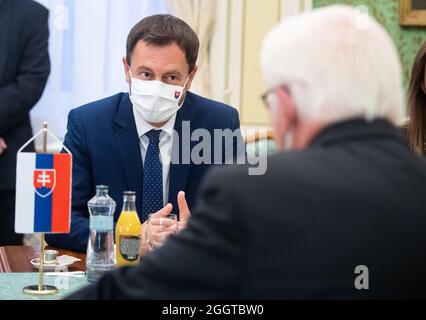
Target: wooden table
(17, 259)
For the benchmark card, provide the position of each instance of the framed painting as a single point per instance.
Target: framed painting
(412, 12)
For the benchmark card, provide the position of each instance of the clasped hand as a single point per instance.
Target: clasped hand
(160, 227)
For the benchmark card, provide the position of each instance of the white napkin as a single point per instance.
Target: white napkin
(67, 260)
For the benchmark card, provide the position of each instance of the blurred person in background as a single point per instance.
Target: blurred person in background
(340, 214)
(417, 103)
(24, 69)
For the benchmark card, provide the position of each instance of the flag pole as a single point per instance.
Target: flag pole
(41, 268)
(41, 289)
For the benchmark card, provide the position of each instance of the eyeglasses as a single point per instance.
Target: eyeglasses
(267, 95)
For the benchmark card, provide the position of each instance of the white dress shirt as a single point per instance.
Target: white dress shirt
(165, 145)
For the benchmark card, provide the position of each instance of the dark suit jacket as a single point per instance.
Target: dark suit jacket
(355, 196)
(103, 139)
(24, 68)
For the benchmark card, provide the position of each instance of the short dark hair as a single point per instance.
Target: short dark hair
(163, 30)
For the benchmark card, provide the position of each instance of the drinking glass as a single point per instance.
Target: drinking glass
(159, 229)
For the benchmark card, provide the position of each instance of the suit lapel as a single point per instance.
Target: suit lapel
(129, 148)
(5, 16)
(178, 171)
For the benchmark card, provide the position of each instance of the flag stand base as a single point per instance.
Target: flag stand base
(45, 290)
(40, 289)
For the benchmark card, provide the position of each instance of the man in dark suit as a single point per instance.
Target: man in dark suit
(111, 139)
(340, 216)
(24, 69)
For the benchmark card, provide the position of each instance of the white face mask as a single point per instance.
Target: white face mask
(154, 100)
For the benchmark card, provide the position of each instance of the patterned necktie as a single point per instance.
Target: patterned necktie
(152, 176)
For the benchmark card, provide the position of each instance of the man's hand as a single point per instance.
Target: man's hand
(159, 214)
(184, 213)
(160, 232)
(3, 146)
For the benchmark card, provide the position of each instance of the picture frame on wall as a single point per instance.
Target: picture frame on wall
(412, 12)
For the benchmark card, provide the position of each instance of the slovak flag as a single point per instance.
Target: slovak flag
(43, 193)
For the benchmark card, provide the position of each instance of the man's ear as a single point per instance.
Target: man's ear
(191, 78)
(126, 70)
(290, 110)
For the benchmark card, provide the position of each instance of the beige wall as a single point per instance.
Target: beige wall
(241, 26)
(259, 17)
